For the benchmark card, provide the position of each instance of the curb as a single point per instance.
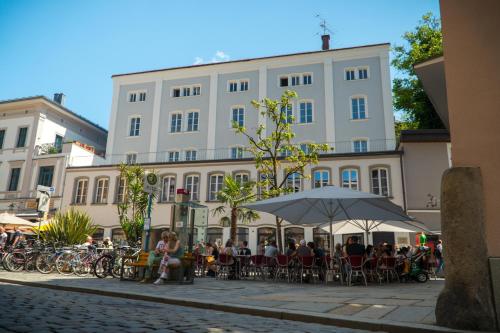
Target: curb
(300, 316)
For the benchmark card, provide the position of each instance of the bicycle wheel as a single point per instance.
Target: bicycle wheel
(15, 261)
(103, 266)
(82, 268)
(44, 263)
(30, 265)
(64, 263)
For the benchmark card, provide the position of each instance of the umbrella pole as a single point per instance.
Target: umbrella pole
(366, 232)
(331, 239)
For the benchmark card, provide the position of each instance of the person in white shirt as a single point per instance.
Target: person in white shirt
(156, 256)
(3, 237)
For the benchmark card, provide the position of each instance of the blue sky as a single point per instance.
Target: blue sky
(75, 46)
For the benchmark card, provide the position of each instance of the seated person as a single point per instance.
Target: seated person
(212, 254)
(355, 249)
(173, 252)
(303, 250)
(244, 250)
(292, 249)
(155, 256)
(271, 250)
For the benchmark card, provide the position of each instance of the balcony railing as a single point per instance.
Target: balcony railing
(344, 147)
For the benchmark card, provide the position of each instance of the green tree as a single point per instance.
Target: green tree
(134, 205)
(276, 156)
(234, 195)
(69, 228)
(425, 42)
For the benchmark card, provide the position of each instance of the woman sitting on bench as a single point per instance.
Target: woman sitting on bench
(173, 251)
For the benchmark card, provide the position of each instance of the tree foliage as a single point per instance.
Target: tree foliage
(276, 155)
(69, 228)
(234, 195)
(425, 42)
(133, 208)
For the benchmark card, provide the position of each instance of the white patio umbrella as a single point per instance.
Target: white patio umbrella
(11, 219)
(339, 207)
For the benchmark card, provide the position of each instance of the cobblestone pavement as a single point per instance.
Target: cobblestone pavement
(32, 309)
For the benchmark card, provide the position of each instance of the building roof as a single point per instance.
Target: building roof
(249, 59)
(57, 105)
(425, 135)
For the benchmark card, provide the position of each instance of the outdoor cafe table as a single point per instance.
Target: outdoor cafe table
(242, 260)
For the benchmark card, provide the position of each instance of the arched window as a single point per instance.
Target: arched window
(214, 235)
(168, 189)
(81, 189)
(192, 185)
(294, 234)
(241, 177)
(321, 239)
(118, 235)
(101, 190)
(321, 178)
(264, 236)
(241, 235)
(380, 181)
(350, 178)
(98, 235)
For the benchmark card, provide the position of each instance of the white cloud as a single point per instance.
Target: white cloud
(219, 56)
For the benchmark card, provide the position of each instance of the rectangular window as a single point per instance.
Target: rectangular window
(168, 189)
(321, 178)
(236, 152)
(173, 156)
(142, 97)
(175, 123)
(306, 112)
(295, 80)
(216, 182)
(307, 79)
(380, 182)
(81, 191)
(233, 86)
(360, 146)
(304, 147)
(362, 73)
(293, 182)
(350, 179)
(243, 85)
(15, 173)
(196, 90)
(121, 193)
(288, 113)
(135, 126)
(358, 108)
(191, 185)
(186, 91)
(349, 74)
(132, 97)
(21, 137)
(284, 81)
(190, 155)
(101, 192)
(192, 124)
(45, 176)
(2, 138)
(58, 142)
(239, 116)
(176, 92)
(131, 158)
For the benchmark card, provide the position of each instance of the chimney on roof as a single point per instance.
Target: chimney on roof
(326, 42)
(59, 98)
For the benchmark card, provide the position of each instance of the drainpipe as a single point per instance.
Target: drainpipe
(64, 180)
(403, 179)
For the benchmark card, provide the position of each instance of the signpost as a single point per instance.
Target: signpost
(151, 185)
(43, 194)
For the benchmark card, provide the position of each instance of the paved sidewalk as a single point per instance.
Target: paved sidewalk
(406, 304)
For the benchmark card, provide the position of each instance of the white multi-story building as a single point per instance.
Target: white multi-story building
(177, 121)
(39, 138)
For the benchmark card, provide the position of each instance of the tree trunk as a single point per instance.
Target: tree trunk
(234, 220)
(278, 234)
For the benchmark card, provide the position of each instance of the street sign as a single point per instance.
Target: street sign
(151, 183)
(43, 202)
(47, 189)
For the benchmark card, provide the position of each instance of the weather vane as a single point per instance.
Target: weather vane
(323, 25)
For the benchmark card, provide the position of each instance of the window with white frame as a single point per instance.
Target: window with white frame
(101, 191)
(238, 116)
(175, 122)
(190, 155)
(264, 186)
(306, 79)
(135, 126)
(142, 96)
(305, 148)
(350, 74)
(196, 90)
(81, 189)
(131, 158)
(243, 85)
(358, 108)
(350, 178)
(360, 145)
(295, 80)
(168, 189)
(236, 152)
(380, 181)
(132, 97)
(306, 112)
(321, 178)
(192, 185)
(241, 177)
(362, 73)
(192, 121)
(357, 73)
(284, 81)
(287, 113)
(186, 91)
(285, 152)
(121, 193)
(216, 182)
(173, 156)
(176, 92)
(294, 182)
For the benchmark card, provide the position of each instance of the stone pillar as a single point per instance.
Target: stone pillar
(466, 301)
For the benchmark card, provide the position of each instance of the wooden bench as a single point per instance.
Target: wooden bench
(136, 263)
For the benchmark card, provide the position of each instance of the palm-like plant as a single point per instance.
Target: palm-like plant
(233, 196)
(68, 228)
